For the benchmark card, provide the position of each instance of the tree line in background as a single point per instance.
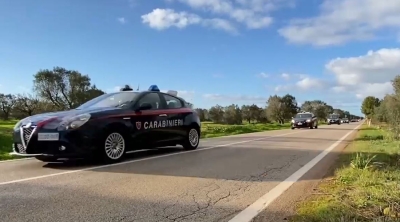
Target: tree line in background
(386, 110)
(61, 89)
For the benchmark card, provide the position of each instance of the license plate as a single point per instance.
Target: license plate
(299, 124)
(48, 136)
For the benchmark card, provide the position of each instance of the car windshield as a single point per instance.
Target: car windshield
(344, 118)
(118, 99)
(333, 116)
(303, 115)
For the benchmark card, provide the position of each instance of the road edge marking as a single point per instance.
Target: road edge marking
(13, 160)
(142, 159)
(252, 211)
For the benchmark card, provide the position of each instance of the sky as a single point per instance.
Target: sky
(211, 51)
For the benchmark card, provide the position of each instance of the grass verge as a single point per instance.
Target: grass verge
(365, 185)
(210, 130)
(6, 128)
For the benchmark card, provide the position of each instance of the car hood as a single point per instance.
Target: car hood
(61, 115)
(300, 119)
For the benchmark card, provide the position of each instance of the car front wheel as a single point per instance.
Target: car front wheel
(192, 140)
(114, 147)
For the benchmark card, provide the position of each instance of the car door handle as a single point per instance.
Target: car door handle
(162, 115)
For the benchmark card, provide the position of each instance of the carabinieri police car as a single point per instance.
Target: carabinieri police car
(108, 126)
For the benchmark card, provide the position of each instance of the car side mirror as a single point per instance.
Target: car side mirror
(144, 106)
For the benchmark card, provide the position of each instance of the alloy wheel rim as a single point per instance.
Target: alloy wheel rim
(114, 146)
(193, 137)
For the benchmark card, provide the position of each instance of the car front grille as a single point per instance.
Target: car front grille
(26, 133)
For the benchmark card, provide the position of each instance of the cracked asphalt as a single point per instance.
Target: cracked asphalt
(213, 184)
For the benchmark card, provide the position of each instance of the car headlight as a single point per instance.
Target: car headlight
(292, 120)
(18, 125)
(74, 122)
(308, 120)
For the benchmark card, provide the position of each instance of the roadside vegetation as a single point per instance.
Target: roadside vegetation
(60, 89)
(5, 138)
(366, 182)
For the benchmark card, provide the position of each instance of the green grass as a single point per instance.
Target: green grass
(209, 129)
(365, 185)
(6, 128)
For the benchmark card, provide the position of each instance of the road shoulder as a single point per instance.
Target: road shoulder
(284, 207)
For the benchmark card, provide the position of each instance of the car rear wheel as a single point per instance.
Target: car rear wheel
(114, 147)
(192, 140)
(316, 126)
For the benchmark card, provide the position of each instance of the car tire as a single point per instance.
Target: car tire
(192, 139)
(292, 128)
(113, 147)
(316, 126)
(47, 159)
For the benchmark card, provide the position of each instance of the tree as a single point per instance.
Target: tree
(233, 114)
(203, 114)
(276, 109)
(368, 107)
(66, 89)
(318, 107)
(246, 113)
(27, 104)
(7, 102)
(290, 106)
(217, 114)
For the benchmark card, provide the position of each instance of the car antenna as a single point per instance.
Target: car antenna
(138, 87)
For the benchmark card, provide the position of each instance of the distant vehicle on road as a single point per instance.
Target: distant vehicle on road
(354, 120)
(334, 119)
(304, 120)
(345, 120)
(108, 126)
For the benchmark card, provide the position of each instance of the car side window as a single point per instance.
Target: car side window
(151, 98)
(172, 102)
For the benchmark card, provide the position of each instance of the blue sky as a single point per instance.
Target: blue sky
(212, 51)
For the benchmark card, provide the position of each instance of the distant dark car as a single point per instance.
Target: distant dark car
(108, 126)
(345, 120)
(334, 119)
(304, 120)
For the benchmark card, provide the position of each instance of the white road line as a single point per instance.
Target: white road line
(4, 161)
(143, 159)
(263, 202)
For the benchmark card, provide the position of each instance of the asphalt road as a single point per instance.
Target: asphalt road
(214, 183)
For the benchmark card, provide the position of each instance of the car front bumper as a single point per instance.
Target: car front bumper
(334, 122)
(301, 124)
(70, 144)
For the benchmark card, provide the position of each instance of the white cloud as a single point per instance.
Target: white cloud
(121, 20)
(304, 84)
(254, 14)
(263, 75)
(235, 98)
(375, 67)
(365, 75)
(161, 19)
(251, 13)
(310, 84)
(341, 21)
(285, 76)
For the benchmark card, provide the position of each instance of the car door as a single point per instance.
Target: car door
(146, 122)
(175, 129)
